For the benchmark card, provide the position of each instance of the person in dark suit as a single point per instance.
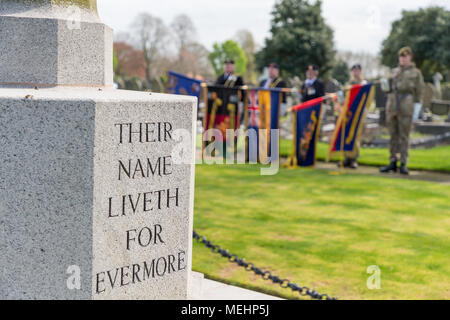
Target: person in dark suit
(312, 88)
(274, 80)
(229, 78)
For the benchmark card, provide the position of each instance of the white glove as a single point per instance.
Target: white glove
(341, 97)
(417, 109)
(385, 87)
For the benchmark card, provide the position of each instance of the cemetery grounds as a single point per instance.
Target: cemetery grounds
(323, 231)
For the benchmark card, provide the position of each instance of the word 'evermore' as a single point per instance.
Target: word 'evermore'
(139, 272)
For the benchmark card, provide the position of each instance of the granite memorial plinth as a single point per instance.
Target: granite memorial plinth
(95, 200)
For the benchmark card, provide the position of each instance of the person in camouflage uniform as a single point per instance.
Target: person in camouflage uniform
(406, 87)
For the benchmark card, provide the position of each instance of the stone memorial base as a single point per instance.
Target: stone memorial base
(93, 204)
(205, 289)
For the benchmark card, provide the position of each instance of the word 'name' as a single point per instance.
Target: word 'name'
(145, 168)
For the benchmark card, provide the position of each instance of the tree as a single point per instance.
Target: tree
(299, 36)
(228, 50)
(426, 31)
(196, 61)
(129, 61)
(115, 62)
(341, 72)
(192, 57)
(184, 30)
(245, 39)
(151, 35)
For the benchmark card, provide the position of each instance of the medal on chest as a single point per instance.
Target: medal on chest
(311, 91)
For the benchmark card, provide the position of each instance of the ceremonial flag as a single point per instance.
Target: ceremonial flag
(253, 110)
(263, 116)
(252, 122)
(222, 110)
(352, 117)
(181, 84)
(307, 118)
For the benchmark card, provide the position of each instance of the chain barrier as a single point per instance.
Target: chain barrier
(266, 275)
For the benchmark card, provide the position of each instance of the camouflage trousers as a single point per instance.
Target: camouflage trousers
(399, 122)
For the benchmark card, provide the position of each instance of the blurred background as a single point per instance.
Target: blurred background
(195, 37)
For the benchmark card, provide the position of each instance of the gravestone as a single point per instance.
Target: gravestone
(437, 78)
(429, 93)
(95, 201)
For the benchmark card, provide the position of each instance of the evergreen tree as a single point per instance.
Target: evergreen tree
(427, 32)
(299, 37)
(341, 72)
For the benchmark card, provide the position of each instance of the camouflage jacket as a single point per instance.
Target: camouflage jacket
(408, 80)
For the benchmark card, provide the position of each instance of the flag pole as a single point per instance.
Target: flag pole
(246, 93)
(341, 158)
(294, 141)
(205, 115)
(292, 162)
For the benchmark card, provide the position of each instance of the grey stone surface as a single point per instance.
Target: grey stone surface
(60, 165)
(53, 45)
(433, 128)
(205, 289)
(195, 285)
(46, 195)
(213, 290)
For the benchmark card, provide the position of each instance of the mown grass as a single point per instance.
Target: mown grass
(434, 159)
(323, 231)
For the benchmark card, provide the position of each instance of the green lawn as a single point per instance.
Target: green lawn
(323, 231)
(434, 159)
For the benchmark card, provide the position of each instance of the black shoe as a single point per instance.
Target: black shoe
(391, 167)
(403, 169)
(346, 163)
(353, 164)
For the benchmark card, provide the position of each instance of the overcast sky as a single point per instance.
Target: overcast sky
(359, 25)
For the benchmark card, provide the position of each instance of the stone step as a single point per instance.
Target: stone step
(205, 289)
